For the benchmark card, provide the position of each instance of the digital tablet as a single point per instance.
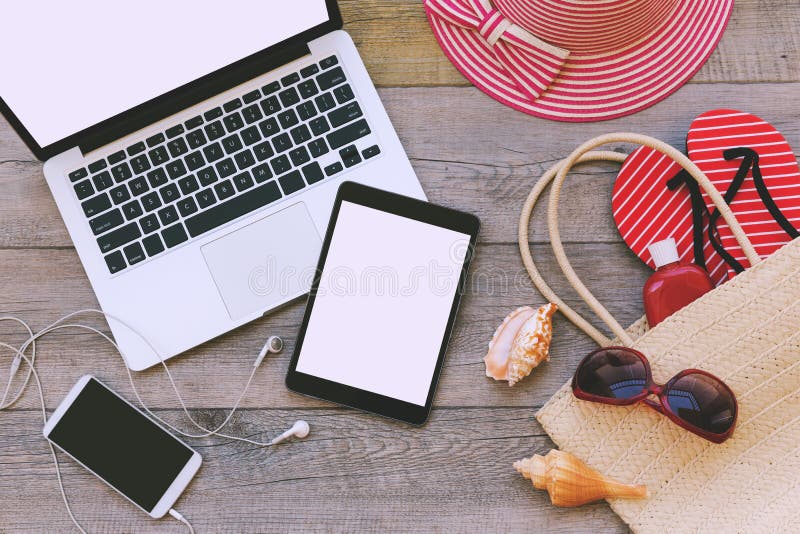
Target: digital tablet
(382, 303)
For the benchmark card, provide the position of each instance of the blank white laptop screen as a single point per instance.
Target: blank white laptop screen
(383, 302)
(71, 64)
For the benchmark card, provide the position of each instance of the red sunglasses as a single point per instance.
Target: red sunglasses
(693, 399)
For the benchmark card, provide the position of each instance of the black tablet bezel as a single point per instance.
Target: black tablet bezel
(182, 97)
(402, 206)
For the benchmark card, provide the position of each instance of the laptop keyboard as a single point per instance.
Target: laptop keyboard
(222, 165)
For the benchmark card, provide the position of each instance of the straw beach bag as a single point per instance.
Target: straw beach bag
(747, 332)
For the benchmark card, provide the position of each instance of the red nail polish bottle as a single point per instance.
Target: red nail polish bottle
(674, 284)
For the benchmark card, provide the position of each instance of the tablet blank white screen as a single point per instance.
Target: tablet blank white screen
(383, 302)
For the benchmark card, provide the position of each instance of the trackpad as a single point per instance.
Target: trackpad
(265, 263)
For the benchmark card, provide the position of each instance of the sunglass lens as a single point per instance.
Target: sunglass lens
(702, 401)
(612, 373)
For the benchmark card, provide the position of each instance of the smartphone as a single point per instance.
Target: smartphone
(122, 446)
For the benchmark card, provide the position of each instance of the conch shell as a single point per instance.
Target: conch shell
(520, 343)
(570, 482)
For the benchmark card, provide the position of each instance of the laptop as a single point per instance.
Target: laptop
(194, 151)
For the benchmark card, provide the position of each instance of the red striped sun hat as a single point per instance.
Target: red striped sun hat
(578, 60)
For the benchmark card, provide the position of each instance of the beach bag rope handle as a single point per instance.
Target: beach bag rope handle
(559, 171)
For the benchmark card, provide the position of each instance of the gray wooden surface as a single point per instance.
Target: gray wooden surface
(357, 472)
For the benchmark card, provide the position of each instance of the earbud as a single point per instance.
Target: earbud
(274, 345)
(299, 430)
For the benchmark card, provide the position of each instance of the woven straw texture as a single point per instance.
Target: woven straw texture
(746, 332)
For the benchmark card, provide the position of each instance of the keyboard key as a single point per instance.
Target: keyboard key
(333, 168)
(350, 156)
(132, 209)
(306, 110)
(325, 102)
(250, 135)
(176, 169)
(138, 186)
(281, 142)
(188, 185)
(330, 78)
(119, 237)
(299, 156)
(261, 173)
(214, 130)
(271, 88)
(116, 157)
(205, 198)
(252, 96)
(136, 148)
(84, 189)
(149, 223)
(243, 181)
(225, 167)
(233, 209)
(174, 235)
(168, 215)
(157, 177)
(309, 71)
(232, 144)
(224, 189)
(115, 262)
(233, 104)
(270, 105)
(169, 193)
(96, 205)
(312, 172)
(153, 245)
(196, 138)
(120, 194)
(345, 114)
(233, 122)
(194, 160)
(328, 62)
(175, 131)
(319, 125)
(121, 172)
(187, 206)
(74, 176)
(280, 164)
(154, 140)
(343, 94)
(193, 123)
(140, 164)
(212, 114)
(97, 166)
(151, 201)
(371, 152)
(269, 127)
(207, 176)
(252, 114)
(348, 134)
(244, 159)
(102, 180)
(300, 134)
(290, 79)
(307, 89)
(263, 151)
(291, 182)
(134, 253)
(177, 147)
(289, 97)
(106, 221)
(213, 152)
(158, 156)
(317, 147)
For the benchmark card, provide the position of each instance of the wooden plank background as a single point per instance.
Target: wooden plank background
(357, 472)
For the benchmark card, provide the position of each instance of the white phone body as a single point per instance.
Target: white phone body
(178, 484)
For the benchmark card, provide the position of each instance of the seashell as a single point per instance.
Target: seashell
(520, 343)
(570, 482)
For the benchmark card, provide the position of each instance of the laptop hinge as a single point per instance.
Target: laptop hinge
(190, 94)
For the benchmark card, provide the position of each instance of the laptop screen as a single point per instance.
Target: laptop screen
(70, 65)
